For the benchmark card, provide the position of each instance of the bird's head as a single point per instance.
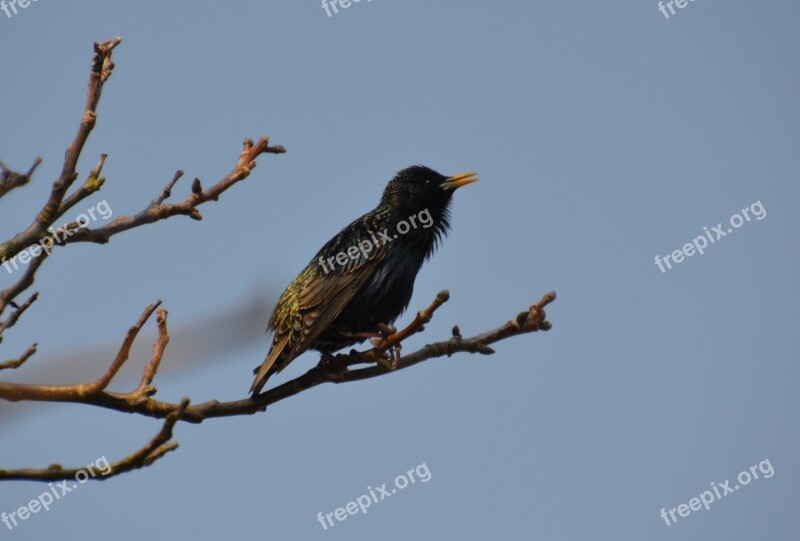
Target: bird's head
(418, 187)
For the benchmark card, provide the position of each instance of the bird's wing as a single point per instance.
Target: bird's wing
(311, 303)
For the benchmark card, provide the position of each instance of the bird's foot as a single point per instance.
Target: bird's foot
(390, 357)
(375, 337)
(384, 332)
(333, 367)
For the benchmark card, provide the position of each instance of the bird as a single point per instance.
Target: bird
(362, 278)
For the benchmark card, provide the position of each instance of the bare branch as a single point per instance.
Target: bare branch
(526, 322)
(534, 319)
(102, 67)
(8, 295)
(16, 314)
(167, 191)
(158, 210)
(158, 352)
(11, 179)
(16, 363)
(152, 451)
(124, 351)
(92, 184)
(59, 203)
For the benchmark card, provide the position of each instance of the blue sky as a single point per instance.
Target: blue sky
(604, 134)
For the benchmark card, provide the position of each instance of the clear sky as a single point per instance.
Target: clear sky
(605, 134)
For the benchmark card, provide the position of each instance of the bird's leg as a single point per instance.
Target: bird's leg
(390, 356)
(393, 353)
(362, 335)
(384, 331)
(333, 367)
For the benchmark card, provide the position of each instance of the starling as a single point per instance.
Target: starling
(364, 276)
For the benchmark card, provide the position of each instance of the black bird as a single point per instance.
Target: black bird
(364, 276)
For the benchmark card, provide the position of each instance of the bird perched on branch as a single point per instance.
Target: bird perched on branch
(364, 276)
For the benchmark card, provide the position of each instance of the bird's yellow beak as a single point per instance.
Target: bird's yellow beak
(460, 180)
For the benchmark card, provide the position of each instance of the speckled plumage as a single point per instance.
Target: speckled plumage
(327, 303)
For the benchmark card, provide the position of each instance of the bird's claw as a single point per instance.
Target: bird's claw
(386, 330)
(385, 362)
(389, 360)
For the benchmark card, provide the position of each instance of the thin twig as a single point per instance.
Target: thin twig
(122, 356)
(16, 363)
(158, 353)
(158, 210)
(11, 179)
(8, 295)
(92, 184)
(152, 451)
(16, 314)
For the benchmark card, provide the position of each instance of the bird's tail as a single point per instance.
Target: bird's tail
(268, 367)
